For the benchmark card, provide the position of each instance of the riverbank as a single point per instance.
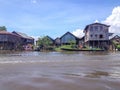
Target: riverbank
(75, 48)
(65, 49)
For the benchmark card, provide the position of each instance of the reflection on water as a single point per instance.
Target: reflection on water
(66, 70)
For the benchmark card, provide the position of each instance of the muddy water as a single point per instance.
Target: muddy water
(60, 71)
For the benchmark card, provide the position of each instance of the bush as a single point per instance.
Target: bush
(118, 47)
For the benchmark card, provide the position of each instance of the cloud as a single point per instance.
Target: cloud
(114, 20)
(78, 33)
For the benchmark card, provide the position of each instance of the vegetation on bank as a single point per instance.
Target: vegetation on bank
(75, 48)
(44, 43)
(116, 45)
(63, 47)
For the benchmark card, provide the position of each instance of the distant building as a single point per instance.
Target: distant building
(26, 41)
(97, 35)
(114, 42)
(115, 39)
(68, 37)
(81, 42)
(57, 41)
(9, 41)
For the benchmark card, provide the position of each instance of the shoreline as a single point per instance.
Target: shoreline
(79, 49)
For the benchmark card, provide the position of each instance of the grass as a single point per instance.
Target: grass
(67, 46)
(63, 46)
(73, 47)
(58, 49)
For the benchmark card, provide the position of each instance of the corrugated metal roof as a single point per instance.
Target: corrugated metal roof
(70, 34)
(23, 35)
(5, 32)
(95, 24)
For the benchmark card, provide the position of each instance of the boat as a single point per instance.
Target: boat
(75, 49)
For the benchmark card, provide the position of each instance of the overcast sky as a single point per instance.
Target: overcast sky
(56, 17)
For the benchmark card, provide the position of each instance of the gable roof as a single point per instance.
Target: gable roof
(70, 34)
(23, 35)
(57, 38)
(95, 24)
(82, 38)
(7, 33)
(110, 34)
(116, 37)
(50, 38)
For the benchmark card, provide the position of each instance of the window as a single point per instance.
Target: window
(91, 35)
(91, 28)
(101, 36)
(96, 35)
(101, 27)
(96, 28)
(106, 30)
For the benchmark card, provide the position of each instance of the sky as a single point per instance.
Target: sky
(56, 17)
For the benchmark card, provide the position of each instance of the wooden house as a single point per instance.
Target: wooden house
(9, 41)
(115, 39)
(26, 41)
(97, 35)
(57, 41)
(81, 42)
(68, 37)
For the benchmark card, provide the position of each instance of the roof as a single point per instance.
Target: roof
(96, 24)
(82, 38)
(110, 34)
(7, 33)
(115, 37)
(23, 35)
(57, 38)
(70, 34)
(50, 38)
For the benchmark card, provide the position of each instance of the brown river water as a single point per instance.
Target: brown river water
(60, 71)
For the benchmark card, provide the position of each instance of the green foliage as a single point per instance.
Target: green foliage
(72, 43)
(118, 47)
(3, 28)
(66, 46)
(114, 43)
(58, 49)
(44, 41)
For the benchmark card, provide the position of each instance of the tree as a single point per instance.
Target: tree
(3, 28)
(44, 42)
(72, 43)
